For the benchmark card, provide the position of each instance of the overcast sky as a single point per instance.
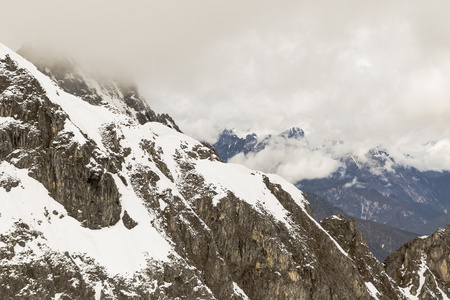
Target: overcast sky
(365, 72)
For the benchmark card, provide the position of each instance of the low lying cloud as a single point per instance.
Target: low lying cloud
(290, 159)
(431, 156)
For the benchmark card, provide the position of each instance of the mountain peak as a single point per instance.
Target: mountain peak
(93, 87)
(227, 132)
(229, 143)
(293, 133)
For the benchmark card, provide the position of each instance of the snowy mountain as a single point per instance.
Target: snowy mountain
(369, 187)
(97, 204)
(377, 188)
(229, 143)
(94, 87)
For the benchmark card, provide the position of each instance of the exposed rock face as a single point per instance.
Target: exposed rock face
(35, 138)
(37, 278)
(381, 239)
(263, 258)
(353, 241)
(421, 267)
(128, 221)
(233, 243)
(27, 275)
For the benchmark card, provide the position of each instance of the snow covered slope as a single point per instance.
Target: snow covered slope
(96, 205)
(120, 200)
(93, 87)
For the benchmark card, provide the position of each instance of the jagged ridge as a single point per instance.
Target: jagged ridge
(185, 224)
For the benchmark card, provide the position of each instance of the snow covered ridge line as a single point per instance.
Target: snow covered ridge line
(47, 84)
(97, 89)
(170, 219)
(120, 248)
(138, 164)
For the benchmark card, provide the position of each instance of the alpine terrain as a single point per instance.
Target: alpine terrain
(371, 187)
(102, 198)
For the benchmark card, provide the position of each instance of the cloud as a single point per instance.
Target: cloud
(370, 73)
(292, 159)
(430, 156)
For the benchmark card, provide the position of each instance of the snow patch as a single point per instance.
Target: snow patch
(116, 248)
(77, 135)
(238, 291)
(373, 291)
(98, 290)
(245, 184)
(7, 121)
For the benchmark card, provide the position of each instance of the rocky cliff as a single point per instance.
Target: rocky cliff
(96, 204)
(353, 241)
(421, 267)
(36, 135)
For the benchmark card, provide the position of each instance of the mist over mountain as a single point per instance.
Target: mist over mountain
(98, 203)
(371, 75)
(370, 186)
(110, 187)
(288, 154)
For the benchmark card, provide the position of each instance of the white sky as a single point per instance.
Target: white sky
(366, 72)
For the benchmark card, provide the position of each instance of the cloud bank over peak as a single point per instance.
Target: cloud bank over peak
(372, 73)
(292, 162)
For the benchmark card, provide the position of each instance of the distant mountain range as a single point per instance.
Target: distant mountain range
(382, 239)
(373, 187)
(229, 144)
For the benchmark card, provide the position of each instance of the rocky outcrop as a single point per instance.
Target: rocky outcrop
(266, 259)
(39, 277)
(54, 275)
(381, 238)
(421, 267)
(35, 138)
(354, 242)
